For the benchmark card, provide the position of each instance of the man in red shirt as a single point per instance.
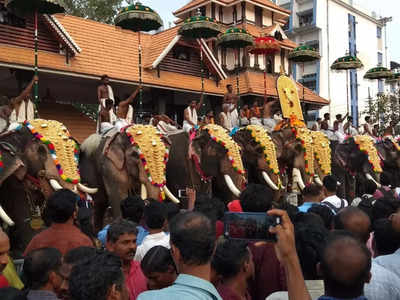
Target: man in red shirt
(4, 249)
(121, 240)
(62, 234)
(233, 263)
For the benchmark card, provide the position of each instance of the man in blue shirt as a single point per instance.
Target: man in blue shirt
(192, 246)
(312, 194)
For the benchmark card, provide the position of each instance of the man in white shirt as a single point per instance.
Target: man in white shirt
(331, 199)
(190, 119)
(155, 217)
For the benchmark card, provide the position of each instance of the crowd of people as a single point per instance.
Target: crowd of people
(324, 248)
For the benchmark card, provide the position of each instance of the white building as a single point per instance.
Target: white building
(337, 28)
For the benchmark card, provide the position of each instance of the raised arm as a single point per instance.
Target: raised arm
(25, 93)
(345, 117)
(130, 98)
(201, 101)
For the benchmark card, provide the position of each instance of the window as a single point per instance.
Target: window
(380, 59)
(278, 36)
(234, 15)
(203, 11)
(213, 10)
(379, 32)
(221, 14)
(181, 53)
(258, 16)
(306, 19)
(380, 86)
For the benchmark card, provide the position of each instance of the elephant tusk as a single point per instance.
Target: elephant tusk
(143, 191)
(86, 189)
(369, 177)
(55, 185)
(318, 180)
(170, 195)
(231, 185)
(5, 217)
(269, 181)
(297, 178)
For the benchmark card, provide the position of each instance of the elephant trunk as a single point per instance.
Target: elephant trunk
(232, 187)
(269, 181)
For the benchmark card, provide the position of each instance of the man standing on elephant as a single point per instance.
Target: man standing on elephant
(389, 131)
(107, 117)
(268, 115)
(190, 119)
(368, 127)
(22, 107)
(232, 99)
(125, 111)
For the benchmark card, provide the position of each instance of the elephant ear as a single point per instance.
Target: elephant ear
(114, 152)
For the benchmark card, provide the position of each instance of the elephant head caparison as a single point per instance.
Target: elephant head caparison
(208, 160)
(389, 151)
(322, 156)
(358, 160)
(37, 158)
(259, 157)
(123, 163)
(294, 147)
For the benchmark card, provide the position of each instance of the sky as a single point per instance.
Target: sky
(384, 8)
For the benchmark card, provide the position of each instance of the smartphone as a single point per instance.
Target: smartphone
(250, 226)
(182, 194)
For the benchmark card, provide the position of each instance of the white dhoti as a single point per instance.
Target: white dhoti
(167, 129)
(340, 136)
(331, 135)
(120, 123)
(255, 121)
(3, 125)
(269, 124)
(192, 114)
(234, 117)
(186, 126)
(105, 126)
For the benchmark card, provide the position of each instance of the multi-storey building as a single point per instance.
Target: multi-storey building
(337, 28)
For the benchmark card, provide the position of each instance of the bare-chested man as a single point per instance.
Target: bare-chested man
(231, 99)
(22, 108)
(255, 114)
(368, 126)
(107, 116)
(268, 115)
(104, 90)
(245, 115)
(125, 110)
(390, 130)
(190, 119)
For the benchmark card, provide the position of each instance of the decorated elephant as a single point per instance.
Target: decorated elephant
(122, 163)
(259, 157)
(322, 156)
(354, 161)
(389, 152)
(37, 158)
(208, 160)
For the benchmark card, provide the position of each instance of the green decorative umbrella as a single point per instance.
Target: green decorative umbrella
(395, 78)
(28, 7)
(347, 62)
(235, 38)
(378, 73)
(200, 27)
(304, 54)
(138, 17)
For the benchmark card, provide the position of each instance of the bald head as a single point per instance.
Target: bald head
(4, 249)
(355, 221)
(345, 266)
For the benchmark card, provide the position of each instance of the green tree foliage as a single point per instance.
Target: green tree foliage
(383, 109)
(98, 10)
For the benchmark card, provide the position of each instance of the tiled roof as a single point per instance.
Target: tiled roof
(107, 49)
(267, 3)
(253, 83)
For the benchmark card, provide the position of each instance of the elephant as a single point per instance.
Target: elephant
(353, 166)
(36, 160)
(206, 161)
(119, 166)
(259, 157)
(389, 151)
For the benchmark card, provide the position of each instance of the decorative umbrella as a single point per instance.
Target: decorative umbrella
(378, 73)
(138, 17)
(27, 7)
(303, 54)
(200, 27)
(265, 46)
(235, 38)
(348, 62)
